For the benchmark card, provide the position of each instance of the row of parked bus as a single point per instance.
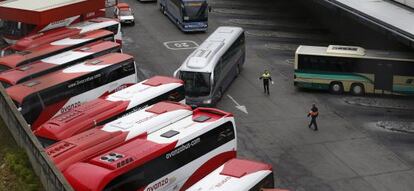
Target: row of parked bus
(104, 131)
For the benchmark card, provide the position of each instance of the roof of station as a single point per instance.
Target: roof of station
(46, 11)
(390, 16)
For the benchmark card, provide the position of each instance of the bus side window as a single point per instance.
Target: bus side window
(409, 81)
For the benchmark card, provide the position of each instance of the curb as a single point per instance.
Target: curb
(376, 106)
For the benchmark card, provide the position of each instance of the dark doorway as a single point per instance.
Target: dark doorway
(383, 77)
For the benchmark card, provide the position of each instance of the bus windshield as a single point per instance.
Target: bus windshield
(195, 11)
(196, 83)
(16, 29)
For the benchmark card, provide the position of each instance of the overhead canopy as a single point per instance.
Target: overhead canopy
(392, 18)
(40, 12)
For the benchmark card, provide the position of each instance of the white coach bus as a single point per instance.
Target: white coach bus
(211, 68)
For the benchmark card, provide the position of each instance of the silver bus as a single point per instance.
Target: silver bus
(211, 68)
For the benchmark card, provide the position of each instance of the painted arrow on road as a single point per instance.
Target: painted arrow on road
(238, 106)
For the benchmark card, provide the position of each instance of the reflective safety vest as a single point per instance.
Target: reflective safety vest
(266, 76)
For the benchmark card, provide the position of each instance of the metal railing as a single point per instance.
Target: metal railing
(51, 178)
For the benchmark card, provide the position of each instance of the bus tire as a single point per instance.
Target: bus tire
(357, 89)
(219, 95)
(238, 70)
(336, 88)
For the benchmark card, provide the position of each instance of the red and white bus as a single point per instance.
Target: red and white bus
(237, 174)
(42, 98)
(109, 24)
(56, 47)
(27, 17)
(106, 109)
(47, 37)
(166, 154)
(50, 64)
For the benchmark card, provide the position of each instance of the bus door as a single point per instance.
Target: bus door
(383, 77)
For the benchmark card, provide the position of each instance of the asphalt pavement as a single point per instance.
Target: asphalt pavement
(349, 152)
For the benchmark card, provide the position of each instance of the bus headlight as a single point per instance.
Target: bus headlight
(208, 101)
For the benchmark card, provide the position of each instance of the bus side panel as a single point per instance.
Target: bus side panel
(403, 85)
(171, 171)
(77, 100)
(173, 8)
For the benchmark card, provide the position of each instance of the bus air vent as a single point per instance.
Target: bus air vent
(170, 133)
(95, 62)
(24, 68)
(32, 83)
(350, 50)
(111, 157)
(201, 118)
(85, 49)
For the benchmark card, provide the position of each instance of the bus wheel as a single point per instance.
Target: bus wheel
(336, 88)
(163, 10)
(219, 94)
(238, 70)
(357, 89)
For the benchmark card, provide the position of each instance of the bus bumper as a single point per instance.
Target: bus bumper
(194, 27)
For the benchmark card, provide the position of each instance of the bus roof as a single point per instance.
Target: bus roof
(43, 38)
(95, 23)
(235, 174)
(44, 12)
(98, 171)
(122, 5)
(13, 76)
(14, 60)
(49, 36)
(354, 52)
(206, 56)
(19, 92)
(66, 124)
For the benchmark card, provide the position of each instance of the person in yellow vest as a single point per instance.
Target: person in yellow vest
(266, 78)
(313, 113)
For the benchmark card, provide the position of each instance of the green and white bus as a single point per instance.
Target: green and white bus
(353, 69)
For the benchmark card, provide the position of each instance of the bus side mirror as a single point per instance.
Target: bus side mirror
(176, 73)
(209, 8)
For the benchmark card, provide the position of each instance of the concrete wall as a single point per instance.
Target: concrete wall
(49, 175)
(409, 3)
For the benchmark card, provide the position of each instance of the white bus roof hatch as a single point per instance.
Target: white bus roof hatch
(202, 56)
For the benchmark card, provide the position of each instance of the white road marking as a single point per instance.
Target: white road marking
(238, 106)
(181, 45)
